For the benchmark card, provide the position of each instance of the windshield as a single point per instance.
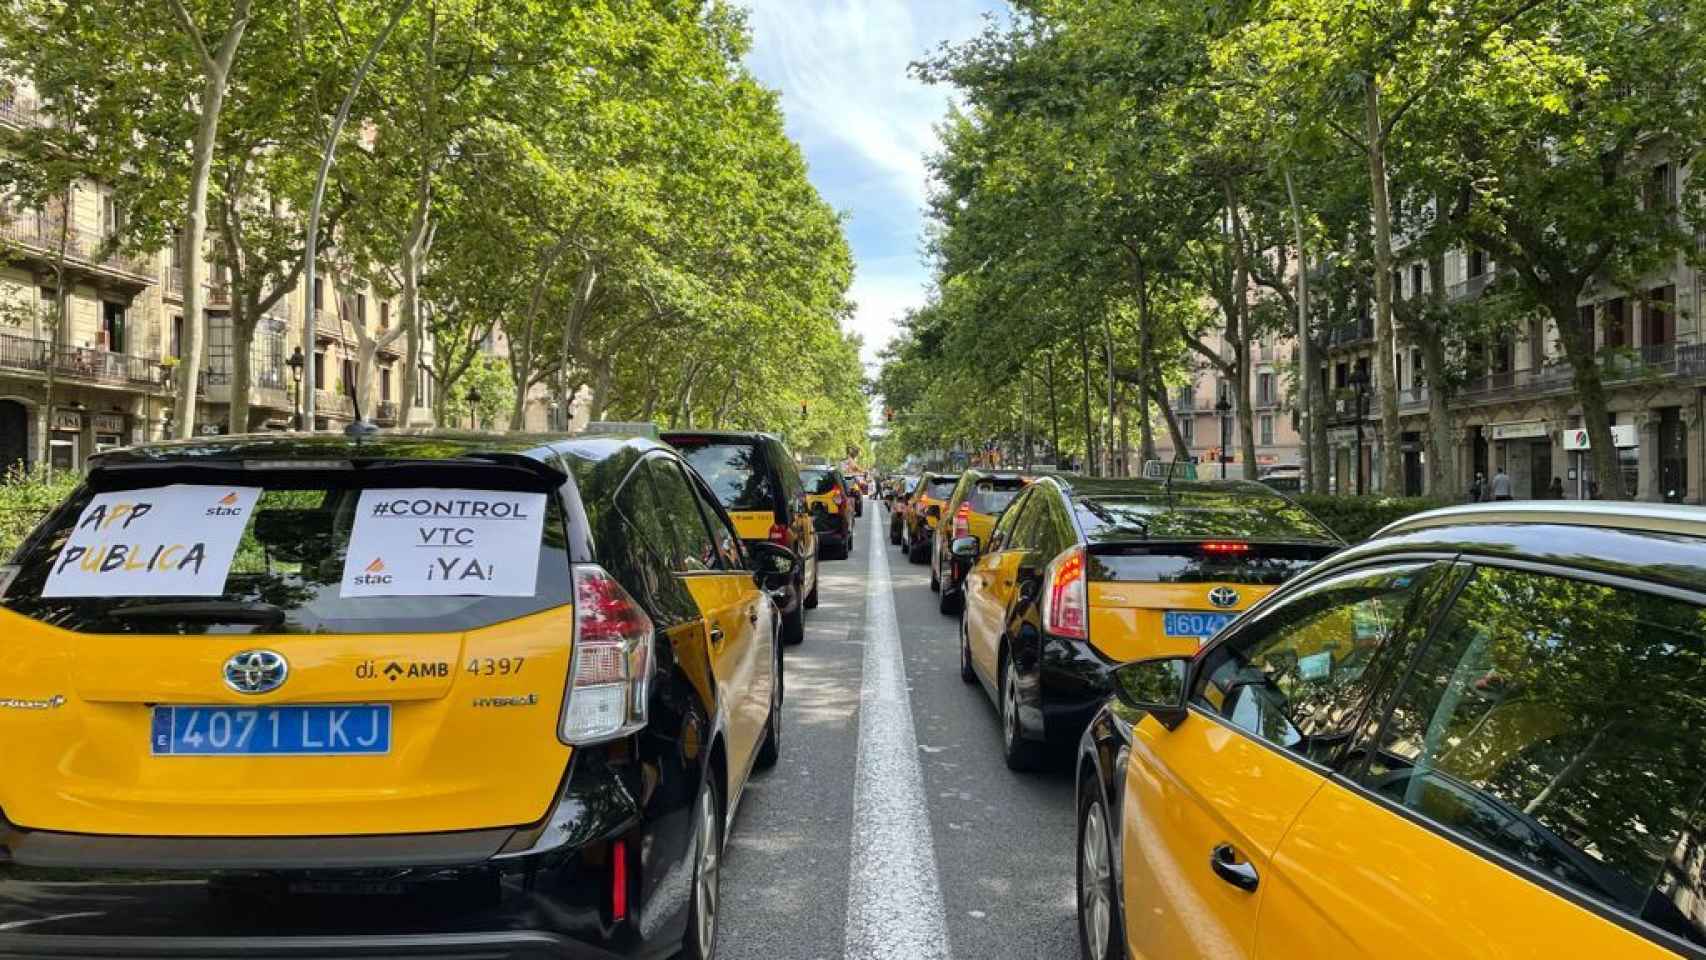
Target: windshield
(1196, 515)
(817, 480)
(1192, 563)
(279, 556)
(735, 472)
(990, 497)
(940, 488)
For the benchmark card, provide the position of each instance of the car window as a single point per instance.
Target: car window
(1558, 722)
(991, 495)
(1004, 527)
(1300, 676)
(1033, 522)
(735, 472)
(643, 516)
(722, 534)
(694, 550)
(940, 488)
(818, 481)
(291, 555)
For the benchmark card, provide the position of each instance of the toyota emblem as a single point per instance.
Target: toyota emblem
(256, 671)
(1223, 597)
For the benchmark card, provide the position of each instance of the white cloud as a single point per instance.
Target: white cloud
(866, 126)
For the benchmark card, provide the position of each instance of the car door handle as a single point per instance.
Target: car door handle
(716, 636)
(752, 615)
(1232, 868)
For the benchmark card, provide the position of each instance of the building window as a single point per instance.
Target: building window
(112, 217)
(320, 371)
(1265, 389)
(361, 310)
(1188, 429)
(385, 384)
(384, 314)
(1341, 376)
(177, 336)
(112, 326)
(1616, 327)
(177, 250)
(1415, 279)
(1660, 327)
(1477, 263)
(1660, 193)
(267, 355)
(1267, 429)
(319, 297)
(218, 348)
(346, 371)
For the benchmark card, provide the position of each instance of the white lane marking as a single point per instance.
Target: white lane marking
(894, 896)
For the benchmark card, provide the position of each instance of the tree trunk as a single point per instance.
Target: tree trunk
(195, 239)
(1090, 443)
(1108, 431)
(1321, 452)
(243, 320)
(1442, 424)
(1145, 370)
(1590, 392)
(1053, 410)
(1238, 335)
(1305, 356)
(1158, 392)
(1386, 388)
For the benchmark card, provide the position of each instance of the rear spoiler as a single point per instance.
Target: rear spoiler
(1135, 547)
(493, 471)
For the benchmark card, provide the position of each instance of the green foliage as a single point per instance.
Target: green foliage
(489, 376)
(25, 499)
(1358, 518)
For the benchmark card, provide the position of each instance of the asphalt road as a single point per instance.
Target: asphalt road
(891, 829)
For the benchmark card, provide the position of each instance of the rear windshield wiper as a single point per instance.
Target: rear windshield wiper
(211, 611)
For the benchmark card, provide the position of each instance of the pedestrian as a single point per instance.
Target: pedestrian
(1478, 489)
(1501, 485)
(1556, 491)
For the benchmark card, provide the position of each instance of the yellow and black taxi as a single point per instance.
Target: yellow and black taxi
(758, 482)
(411, 694)
(1475, 735)
(1081, 575)
(976, 503)
(830, 501)
(924, 514)
(902, 490)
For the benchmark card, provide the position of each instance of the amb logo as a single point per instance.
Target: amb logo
(416, 670)
(373, 574)
(226, 507)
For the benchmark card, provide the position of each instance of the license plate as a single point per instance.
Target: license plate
(271, 731)
(1190, 623)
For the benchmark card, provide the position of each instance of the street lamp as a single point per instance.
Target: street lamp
(473, 408)
(295, 363)
(1223, 407)
(1358, 381)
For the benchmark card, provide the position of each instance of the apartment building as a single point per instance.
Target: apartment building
(1519, 412)
(93, 369)
(1210, 430)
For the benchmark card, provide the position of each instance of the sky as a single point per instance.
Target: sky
(866, 126)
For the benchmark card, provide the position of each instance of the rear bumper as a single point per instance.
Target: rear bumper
(542, 890)
(1075, 680)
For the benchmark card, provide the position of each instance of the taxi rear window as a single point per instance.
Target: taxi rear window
(941, 488)
(735, 471)
(818, 481)
(1197, 515)
(992, 496)
(1263, 564)
(313, 556)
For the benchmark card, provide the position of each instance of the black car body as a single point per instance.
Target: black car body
(758, 482)
(606, 872)
(832, 501)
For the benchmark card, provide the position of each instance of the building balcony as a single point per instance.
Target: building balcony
(38, 237)
(267, 389)
(1686, 360)
(1469, 289)
(1412, 399)
(17, 110)
(81, 364)
(1345, 334)
(328, 403)
(385, 414)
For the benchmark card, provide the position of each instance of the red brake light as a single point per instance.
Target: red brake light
(781, 535)
(836, 495)
(1216, 546)
(962, 521)
(619, 880)
(611, 664)
(1066, 605)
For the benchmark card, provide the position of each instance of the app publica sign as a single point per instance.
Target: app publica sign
(175, 541)
(444, 542)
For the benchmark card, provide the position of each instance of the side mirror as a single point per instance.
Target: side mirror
(773, 565)
(1155, 686)
(965, 548)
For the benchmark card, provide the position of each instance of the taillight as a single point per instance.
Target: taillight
(962, 521)
(1066, 607)
(1219, 546)
(837, 496)
(781, 535)
(612, 663)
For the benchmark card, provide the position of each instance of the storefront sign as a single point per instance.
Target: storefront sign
(108, 423)
(1518, 430)
(68, 420)
(444, 543)
(1622, 434)
(175, 541)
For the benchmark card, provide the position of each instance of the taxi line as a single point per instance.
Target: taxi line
(894, 895)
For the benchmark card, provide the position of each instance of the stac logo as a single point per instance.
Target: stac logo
(226, 507)
(1223, 597)
(256, 671)
(373, 574)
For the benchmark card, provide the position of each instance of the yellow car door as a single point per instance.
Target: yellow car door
(729, 602)
(1506, 811)
(1208, 803)
(996, 576)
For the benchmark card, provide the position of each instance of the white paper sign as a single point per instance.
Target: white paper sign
(175, 541)
(439, 542)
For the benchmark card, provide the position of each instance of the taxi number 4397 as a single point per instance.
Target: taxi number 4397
(495, 666)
